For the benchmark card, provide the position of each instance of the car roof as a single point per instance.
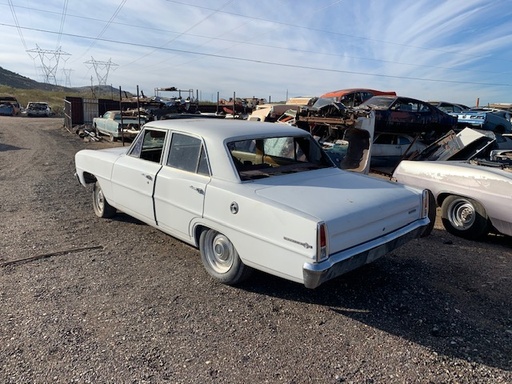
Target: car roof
(219, 130)
(342, 92)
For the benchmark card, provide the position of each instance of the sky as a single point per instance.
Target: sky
(452, 50)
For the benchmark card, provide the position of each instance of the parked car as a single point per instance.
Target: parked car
(117, 124)
(7, 109)
(353, 97)
(253, 196)
(448, 107)
(406, 115)
(10, 104)
(481, 118)
(388, 149)
(38, 109)
(474, 196)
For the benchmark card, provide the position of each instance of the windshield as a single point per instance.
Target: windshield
(379, 102)
(265, 157)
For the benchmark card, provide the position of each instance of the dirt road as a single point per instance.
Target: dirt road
(114, 301)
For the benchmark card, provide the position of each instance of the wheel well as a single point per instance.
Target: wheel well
(197, 233)
(89, 178)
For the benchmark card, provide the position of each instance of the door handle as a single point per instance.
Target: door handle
(198, 190)
(149, 177)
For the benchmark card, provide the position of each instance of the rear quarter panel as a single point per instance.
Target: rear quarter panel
(260, 228)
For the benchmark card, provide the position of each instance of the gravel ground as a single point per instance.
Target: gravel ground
(88, 300)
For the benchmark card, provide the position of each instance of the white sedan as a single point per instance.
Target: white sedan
(253, 196)
(475, 196)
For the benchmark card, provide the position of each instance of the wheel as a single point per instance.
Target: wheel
(432, 212)
(101, 206)
(221, 259)
(464, 217)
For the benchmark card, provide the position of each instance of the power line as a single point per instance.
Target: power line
(267, 62)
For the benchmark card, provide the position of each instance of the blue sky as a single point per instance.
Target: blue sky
(452, 50)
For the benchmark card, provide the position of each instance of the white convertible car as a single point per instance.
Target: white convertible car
(253, 195)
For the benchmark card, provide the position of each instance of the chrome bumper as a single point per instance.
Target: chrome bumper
(345, 261)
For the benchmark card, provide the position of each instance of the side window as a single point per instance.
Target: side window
(187, 153)
(148, 145)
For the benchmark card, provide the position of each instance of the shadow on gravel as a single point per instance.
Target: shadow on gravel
(449, 304)
(7, 147)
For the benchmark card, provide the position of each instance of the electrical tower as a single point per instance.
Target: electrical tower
(49, 61)
(67, 74)
(102, 69)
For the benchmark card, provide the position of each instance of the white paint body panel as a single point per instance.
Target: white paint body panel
(491, 187)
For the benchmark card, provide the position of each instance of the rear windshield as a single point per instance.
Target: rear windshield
(265, 157)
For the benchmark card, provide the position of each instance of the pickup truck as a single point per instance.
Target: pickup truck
(117, 124)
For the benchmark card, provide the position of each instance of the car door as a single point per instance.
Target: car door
(181, 185)
(134, 175)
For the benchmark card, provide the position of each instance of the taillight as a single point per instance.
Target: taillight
(425, 203)
(321, 242)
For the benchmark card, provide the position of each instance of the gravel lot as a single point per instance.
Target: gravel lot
(114, 301)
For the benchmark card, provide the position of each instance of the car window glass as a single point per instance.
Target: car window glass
(257, 158)
(187, 153)
(403, 140)
(384, 139)
(148, 145)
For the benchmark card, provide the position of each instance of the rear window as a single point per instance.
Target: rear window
(265, 157)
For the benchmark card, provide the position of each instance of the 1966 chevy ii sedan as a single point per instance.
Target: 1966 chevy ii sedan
(253, 195)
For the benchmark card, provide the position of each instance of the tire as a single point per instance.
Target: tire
(464, 217)
(432, 212)
(221, 259)
(101, 206)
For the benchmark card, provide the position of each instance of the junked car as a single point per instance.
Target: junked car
(352, 97)
(38, 109)
(474, 196)
(118, 124)
(451, 108)
(406, 115)
(480, 118)
(9, 105)
(388, 149)
(253, 196)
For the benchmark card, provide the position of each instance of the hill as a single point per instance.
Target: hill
(26, 89)
(14, 80)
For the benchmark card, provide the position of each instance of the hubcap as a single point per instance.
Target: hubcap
(220, 252)
(462, 214)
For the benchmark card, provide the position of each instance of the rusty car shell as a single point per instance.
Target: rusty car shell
(400, 114)
(352, 97)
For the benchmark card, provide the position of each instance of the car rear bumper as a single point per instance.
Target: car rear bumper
(345, 261)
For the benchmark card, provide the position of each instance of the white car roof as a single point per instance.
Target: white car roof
(216, 132)
(220, 130)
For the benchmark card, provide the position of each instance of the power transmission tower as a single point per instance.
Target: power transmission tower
(102, 69)
(49, 62)
(67, 74)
